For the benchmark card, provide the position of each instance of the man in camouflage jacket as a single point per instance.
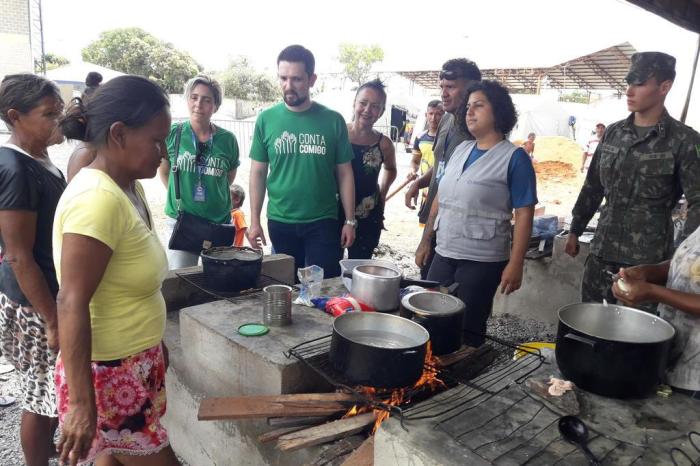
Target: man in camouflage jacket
(641, 168)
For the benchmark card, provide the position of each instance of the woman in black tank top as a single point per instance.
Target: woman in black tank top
(372, 151)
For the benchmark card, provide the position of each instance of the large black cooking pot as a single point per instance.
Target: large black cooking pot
(440, 314)
(378, 350)
(612, 350)
(231, 269)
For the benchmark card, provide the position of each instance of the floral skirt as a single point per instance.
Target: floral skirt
(130, 397)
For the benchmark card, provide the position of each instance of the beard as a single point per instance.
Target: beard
(293, 99)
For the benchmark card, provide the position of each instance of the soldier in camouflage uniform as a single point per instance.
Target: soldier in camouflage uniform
(641, 168)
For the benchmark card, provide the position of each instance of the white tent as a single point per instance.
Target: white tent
(541, 115)
(75, 73)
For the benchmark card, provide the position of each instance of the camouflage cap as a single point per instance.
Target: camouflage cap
(647, 64)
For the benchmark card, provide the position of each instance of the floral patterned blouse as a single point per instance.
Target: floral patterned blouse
(366, 166)
(684, 275)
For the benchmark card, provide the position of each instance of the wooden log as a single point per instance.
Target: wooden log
(325, 432)
(277, 433)
(297, 405)
(338, 451)
(463, 355)
(363, 456)
(296, 421)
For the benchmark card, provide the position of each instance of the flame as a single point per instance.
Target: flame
(395, 397)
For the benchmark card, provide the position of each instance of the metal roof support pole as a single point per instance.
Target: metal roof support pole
(692, 81)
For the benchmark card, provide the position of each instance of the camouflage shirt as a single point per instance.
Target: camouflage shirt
(641, 179)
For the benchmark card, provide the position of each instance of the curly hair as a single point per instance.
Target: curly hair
(504, 114)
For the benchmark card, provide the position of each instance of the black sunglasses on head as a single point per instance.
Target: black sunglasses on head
(451, 75)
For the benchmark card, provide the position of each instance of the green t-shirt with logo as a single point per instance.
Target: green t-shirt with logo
(302, 150)
(217, 162)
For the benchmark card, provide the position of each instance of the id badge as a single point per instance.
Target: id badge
(200, 193)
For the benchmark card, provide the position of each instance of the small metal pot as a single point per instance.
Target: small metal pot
(378, 350)
(612, 350)
(378, 286)
(440, 314)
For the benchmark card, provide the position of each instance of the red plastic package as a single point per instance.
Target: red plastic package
(341, 305)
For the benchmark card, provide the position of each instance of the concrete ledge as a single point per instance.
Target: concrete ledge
(421, 445)
(548, 284)
(178, 293)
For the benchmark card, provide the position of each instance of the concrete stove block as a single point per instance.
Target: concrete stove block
(220, 362)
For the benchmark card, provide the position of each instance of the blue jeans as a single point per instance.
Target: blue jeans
(314, 243)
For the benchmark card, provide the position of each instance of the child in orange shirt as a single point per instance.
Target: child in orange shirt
(237, 215)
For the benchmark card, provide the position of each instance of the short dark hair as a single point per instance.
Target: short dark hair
(504, 114)
(93, 79)
(435, 103)
(23, 92)
(132, 100)
(375, 84)
(298, 54)
(463, 68)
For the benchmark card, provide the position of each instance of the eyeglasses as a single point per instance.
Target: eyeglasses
(451, 75)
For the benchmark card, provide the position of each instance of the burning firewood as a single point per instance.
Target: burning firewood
(297, 405)
(325, 432)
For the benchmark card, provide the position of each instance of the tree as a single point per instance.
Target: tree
(358, 60)
(134, 51)
(241, 81)
(52, 61)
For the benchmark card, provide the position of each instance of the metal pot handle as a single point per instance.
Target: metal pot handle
(580, 339)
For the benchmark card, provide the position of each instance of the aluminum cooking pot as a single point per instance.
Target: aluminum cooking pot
(378, 286)
(440, 314)
(612, 350)
(378, 350)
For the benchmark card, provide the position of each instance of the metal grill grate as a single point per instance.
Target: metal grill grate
(197, 280)
(315, 354)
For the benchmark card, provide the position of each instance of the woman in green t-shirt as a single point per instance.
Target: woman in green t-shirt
(207, 159)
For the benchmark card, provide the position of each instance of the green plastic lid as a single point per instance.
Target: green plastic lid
(253, 330)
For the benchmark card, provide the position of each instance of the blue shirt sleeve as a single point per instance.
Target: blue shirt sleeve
(522, 180)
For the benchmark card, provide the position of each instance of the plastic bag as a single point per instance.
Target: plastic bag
(341, 305)
(310, 279)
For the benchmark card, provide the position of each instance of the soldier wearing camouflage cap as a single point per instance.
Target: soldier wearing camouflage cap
(641, 168)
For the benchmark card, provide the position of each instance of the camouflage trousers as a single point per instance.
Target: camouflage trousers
(596, 284)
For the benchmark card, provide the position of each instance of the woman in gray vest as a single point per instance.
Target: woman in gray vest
(487, 182)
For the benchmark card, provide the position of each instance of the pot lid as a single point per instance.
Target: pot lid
(253, 329)
(432, 304)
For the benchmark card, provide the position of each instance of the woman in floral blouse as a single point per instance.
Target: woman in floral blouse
(675, 285)
(372, 150)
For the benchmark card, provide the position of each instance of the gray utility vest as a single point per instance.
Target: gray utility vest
(475, 211)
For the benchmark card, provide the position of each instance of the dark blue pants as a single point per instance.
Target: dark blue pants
(478, 282)
(314, 243)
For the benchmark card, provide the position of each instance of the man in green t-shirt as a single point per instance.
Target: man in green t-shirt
(302, 155)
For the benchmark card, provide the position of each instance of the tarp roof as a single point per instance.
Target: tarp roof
(685, 13)
(604, 69)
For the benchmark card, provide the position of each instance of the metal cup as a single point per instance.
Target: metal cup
(277, 305)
